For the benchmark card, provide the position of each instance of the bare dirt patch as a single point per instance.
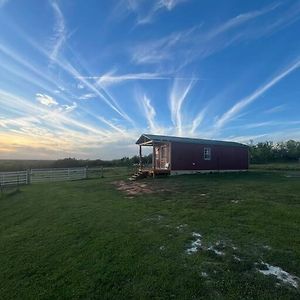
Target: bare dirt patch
(133, 188)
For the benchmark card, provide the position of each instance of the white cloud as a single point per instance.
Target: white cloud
(235, 109)
(87, 96)
(46, 100)
(99, 91)
(150, 113)
(241, 19)
(146, 11)
(59, 31)
(68, 108)
(162, 49)
(275, 109)
(170, 4)
(51, 102)
(198, 120)
(179, 49)
(178, 94)
(110, 78)
(111, 124)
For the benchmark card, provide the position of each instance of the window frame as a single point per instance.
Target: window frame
(207, 153)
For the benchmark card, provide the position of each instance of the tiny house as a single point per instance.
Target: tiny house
(178, 155)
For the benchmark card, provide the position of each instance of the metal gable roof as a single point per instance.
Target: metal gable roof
(164, 138)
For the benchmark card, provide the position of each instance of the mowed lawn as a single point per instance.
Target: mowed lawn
(195, 237)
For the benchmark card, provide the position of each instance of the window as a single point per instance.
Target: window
(207, 153)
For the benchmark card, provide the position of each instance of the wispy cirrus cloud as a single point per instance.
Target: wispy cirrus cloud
(68, 108)
(42, 83)
(277, 135)
(170, 4)
(146, 11)
(111, 78)
(240, 105)
(240, 20)
(59, 37)
(270, 123)
(99, 91)
(178, 94)
(283, 20)
(163, 49)
(87, 96)
(275, 109)
(72, 70)
(199, 42)
(111, 125)
(150, 113)
(198, 120)
(46, 100)
(54, 117)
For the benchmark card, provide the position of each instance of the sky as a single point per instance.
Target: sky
(85, 78)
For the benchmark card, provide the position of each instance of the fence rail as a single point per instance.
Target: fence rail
(13, 178)
(46, 175)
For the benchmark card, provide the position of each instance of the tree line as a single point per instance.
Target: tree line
(123, 162)
(266, 152)
(19, 165)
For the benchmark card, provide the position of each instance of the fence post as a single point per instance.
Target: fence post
(1, 184)
(102, 172)
(28, 177)
(86, 172)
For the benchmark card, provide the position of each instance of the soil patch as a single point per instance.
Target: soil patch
(134, 188)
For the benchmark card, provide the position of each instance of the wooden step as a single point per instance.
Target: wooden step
(139, 175)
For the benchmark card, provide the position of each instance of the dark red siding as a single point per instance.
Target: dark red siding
(187, 156)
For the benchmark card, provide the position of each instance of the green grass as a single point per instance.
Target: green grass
(292, 166)
(86, 240)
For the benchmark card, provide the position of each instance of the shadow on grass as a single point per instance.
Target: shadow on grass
(9, 192)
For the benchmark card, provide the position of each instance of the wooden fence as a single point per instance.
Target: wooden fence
(47, 175)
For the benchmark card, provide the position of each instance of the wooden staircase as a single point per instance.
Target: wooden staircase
(139, 175)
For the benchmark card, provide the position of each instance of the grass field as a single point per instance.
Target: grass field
(293, 166)
(186, 237)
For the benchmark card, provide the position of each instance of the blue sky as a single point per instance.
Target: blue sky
(85, 78)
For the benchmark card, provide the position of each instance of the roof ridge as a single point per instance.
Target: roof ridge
(169, 138)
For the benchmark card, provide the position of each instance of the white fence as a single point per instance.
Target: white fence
(13, 178)
(46, 175)
(42, 175)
